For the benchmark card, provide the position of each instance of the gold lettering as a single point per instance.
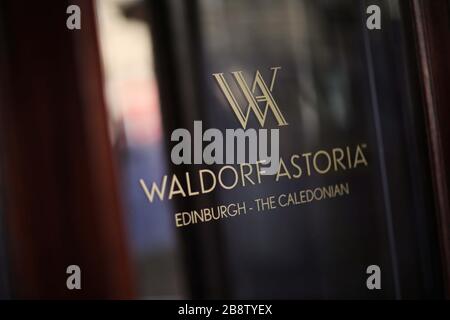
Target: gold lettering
(178, 190)
(160, 192)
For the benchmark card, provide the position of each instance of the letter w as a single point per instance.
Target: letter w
(159, 192)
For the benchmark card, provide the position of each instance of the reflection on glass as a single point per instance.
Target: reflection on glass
(338, 86)
(132, 99)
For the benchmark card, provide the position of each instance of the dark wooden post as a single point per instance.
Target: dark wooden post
(432, 26)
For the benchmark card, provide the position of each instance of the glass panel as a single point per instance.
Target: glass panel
(354, 129)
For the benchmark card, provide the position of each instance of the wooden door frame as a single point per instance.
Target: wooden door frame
(432, 36)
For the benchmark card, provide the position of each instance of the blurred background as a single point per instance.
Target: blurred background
(85, 114)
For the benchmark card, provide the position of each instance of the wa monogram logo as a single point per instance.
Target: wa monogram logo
(260, 93)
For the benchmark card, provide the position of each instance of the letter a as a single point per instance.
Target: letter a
(74, 280)
(374, 20)
(74, 20)
(374, 281)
